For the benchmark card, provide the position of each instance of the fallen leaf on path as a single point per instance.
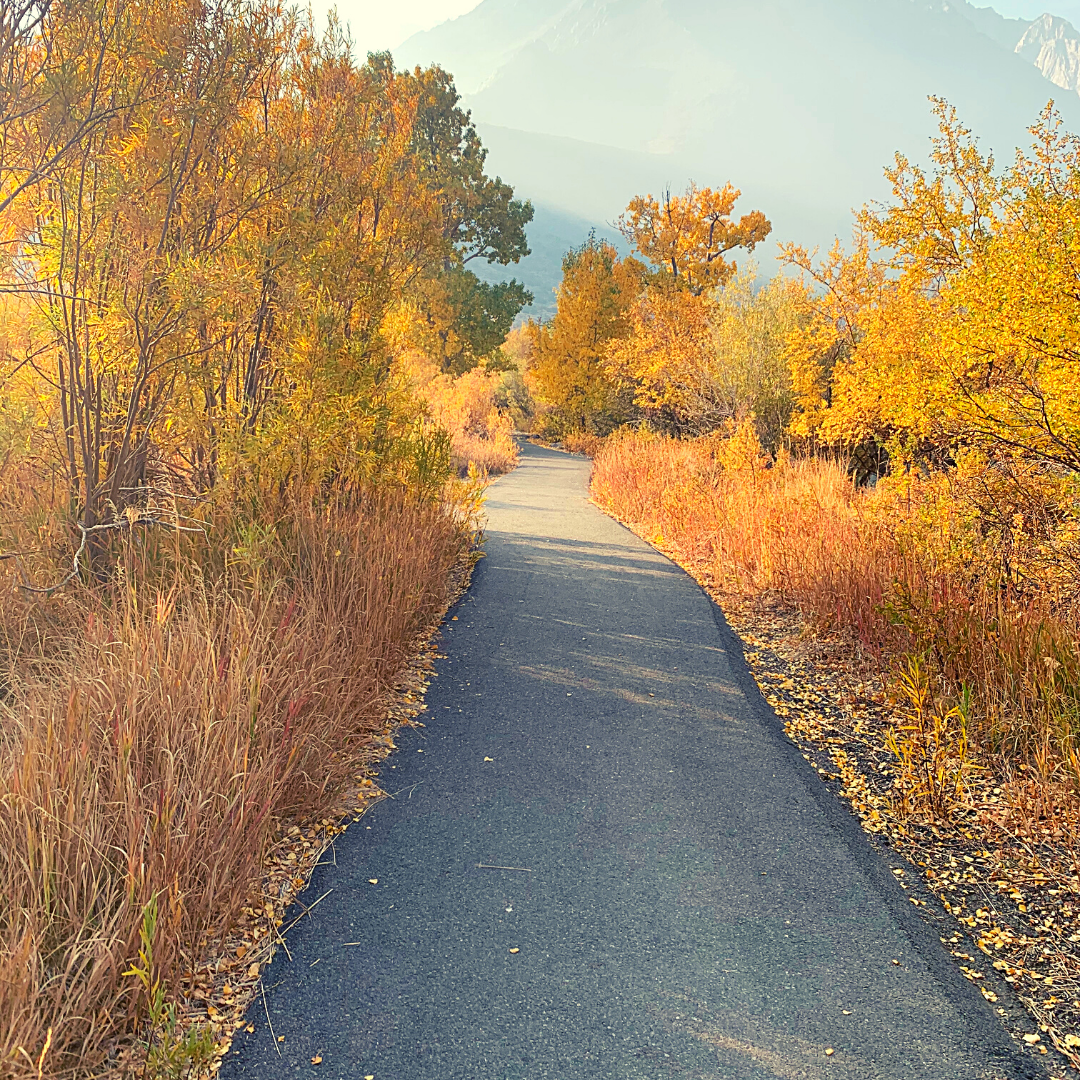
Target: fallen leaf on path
(317, 1059)
(373, 881)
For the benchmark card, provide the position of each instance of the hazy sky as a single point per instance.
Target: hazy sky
(385, 24)
(1031, 9)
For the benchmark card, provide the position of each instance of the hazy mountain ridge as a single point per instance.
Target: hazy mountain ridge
(585, 103)
(1004, 31)
(1052, 44)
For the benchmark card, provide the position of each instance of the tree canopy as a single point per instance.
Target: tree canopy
(686, 237)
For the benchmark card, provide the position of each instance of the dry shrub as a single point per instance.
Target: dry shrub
(156, 730)
(915, 568)
(465, 407)
(583, 442)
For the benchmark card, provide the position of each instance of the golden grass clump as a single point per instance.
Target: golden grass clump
(583, 442)
(156, 729)
(465, 407)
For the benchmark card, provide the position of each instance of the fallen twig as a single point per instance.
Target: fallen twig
(266, 1009)
(307, 911)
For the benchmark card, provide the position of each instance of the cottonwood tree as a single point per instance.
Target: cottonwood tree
(687, 237)
(954, 322)
(567, 365)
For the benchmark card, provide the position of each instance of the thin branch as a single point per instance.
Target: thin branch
(113, 526)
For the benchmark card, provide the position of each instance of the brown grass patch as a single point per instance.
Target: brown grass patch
(156, 730)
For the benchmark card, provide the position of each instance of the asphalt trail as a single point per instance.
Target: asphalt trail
(691, 903)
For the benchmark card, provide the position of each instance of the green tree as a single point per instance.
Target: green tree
(479, 217)
(468, 319)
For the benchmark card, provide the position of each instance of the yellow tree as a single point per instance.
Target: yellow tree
(687, 237)
(668, 358)
(965, 330)
(566, 366)
(665, 357)
(749, 374)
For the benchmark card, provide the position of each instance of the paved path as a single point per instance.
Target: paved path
(691, 906)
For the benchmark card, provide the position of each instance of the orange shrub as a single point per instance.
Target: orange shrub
(582, 442)
(465, 407)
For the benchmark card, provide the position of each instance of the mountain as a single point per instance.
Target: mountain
(800, 103)
(1053, 46)
(1006, 32)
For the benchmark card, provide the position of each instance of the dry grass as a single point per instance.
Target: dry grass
(155, 731)
(582, 442)
(912, 569)
(465, 407)
(492, 454)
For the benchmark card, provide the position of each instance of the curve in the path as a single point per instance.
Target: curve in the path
(684, 903)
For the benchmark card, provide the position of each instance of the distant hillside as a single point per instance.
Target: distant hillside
(551, 234)
(584, 103)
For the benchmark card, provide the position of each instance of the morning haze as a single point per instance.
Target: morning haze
(800, 104)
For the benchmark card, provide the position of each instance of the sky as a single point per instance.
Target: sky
(385, 24)
(1032, 9)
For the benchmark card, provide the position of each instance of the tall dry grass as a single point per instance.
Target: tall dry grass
(912, 569)
(583, 442)
(156, 729)
(465, 407)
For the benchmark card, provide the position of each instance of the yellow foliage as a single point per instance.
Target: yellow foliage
(465, 407)
(962, 329)
(667, 355)
(697, 363)
(566, 356)
(686, 237)
(206, 225)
